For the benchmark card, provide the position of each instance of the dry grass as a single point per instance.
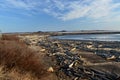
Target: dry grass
(14, 74)
(10, 37)
(15, 55)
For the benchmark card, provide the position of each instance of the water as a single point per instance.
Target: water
(95, 37)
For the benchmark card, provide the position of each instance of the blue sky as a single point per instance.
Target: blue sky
(52, 15)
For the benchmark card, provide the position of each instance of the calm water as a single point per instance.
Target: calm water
(95, 37)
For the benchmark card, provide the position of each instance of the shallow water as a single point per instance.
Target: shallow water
(93, 37)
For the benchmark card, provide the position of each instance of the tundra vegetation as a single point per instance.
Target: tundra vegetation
(19, 62)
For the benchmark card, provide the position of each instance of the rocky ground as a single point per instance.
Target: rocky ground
(78, 60)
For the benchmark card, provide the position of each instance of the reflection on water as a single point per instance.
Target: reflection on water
(98, 37)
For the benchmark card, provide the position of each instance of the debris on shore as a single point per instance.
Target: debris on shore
(80, 60)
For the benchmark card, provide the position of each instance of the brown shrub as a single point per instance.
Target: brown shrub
(14, 54)
(10, 37)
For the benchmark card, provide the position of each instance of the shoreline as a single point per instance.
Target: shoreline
(82, 32)
(71, 55)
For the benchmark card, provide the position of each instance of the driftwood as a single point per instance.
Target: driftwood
(71, 64)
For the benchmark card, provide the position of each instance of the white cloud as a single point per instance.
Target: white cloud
(94, 9)
(26, 4)
(68, 10)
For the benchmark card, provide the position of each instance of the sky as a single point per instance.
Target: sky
(57, 15)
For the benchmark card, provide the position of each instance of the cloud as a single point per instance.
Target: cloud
(91, 9)
(94, 9)
(67, 9)
(23, 4)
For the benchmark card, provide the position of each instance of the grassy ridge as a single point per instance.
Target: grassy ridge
(14, 54)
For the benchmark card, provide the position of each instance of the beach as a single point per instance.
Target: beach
(77, 59)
